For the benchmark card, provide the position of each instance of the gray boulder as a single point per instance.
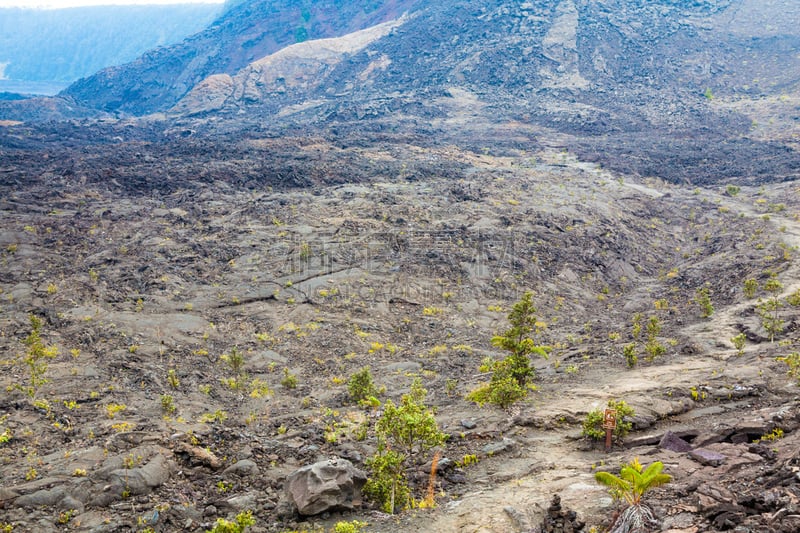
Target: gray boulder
(707, 457)
(334, 484)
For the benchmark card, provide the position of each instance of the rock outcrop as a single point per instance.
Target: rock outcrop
(325, 486)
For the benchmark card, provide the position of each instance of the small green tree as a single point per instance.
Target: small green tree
(404, 432)
(652, 346)
(703, 299)
(738, 342)
(512, 375)
(630, 486)
(750, 287)
(769, 309)
(629, 351)
(36, 358)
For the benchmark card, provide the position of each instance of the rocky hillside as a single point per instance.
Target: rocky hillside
(246, 32)
(686, 92)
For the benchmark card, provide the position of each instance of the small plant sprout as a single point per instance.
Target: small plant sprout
(739, 342)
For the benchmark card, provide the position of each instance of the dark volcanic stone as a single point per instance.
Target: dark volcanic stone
(670, 441)
(707, 457)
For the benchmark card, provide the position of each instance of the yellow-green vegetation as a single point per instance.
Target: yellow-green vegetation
(172, 378)
(772, 436)
(112, 409)
(217, 416)
(697, 395)
(353, 526)
(432, 311)
(468, 460)
(168, 404)
(738, 342)
(769, 309)
(703, 299)
(242, 521)
(793, 362)
(289, 380)
(35, 361)
(750, 288)
(404, 432)
(5, 434)
(593, 423)
(511, 376)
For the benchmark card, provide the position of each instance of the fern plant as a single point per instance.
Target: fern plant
(630, 486)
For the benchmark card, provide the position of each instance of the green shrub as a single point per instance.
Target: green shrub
(289, 380)
(629, 351)
(593, 423)
(502, 391)
(361, 386)
(793, 362)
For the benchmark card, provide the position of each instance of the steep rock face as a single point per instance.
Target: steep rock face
(247, 32)
(296, 68)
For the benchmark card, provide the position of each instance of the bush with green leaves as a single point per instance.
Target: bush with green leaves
(404, 432)
(630, 486)
(750, 287)
(511, 376)
(242, 521)
(361, 386)
(593, 423)
(289, 380)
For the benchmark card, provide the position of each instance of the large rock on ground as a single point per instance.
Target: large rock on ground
(326, 485)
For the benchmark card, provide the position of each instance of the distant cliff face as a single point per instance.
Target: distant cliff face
(62, 45)
(245, 33)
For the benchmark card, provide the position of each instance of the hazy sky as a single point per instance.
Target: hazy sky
(51, 4)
